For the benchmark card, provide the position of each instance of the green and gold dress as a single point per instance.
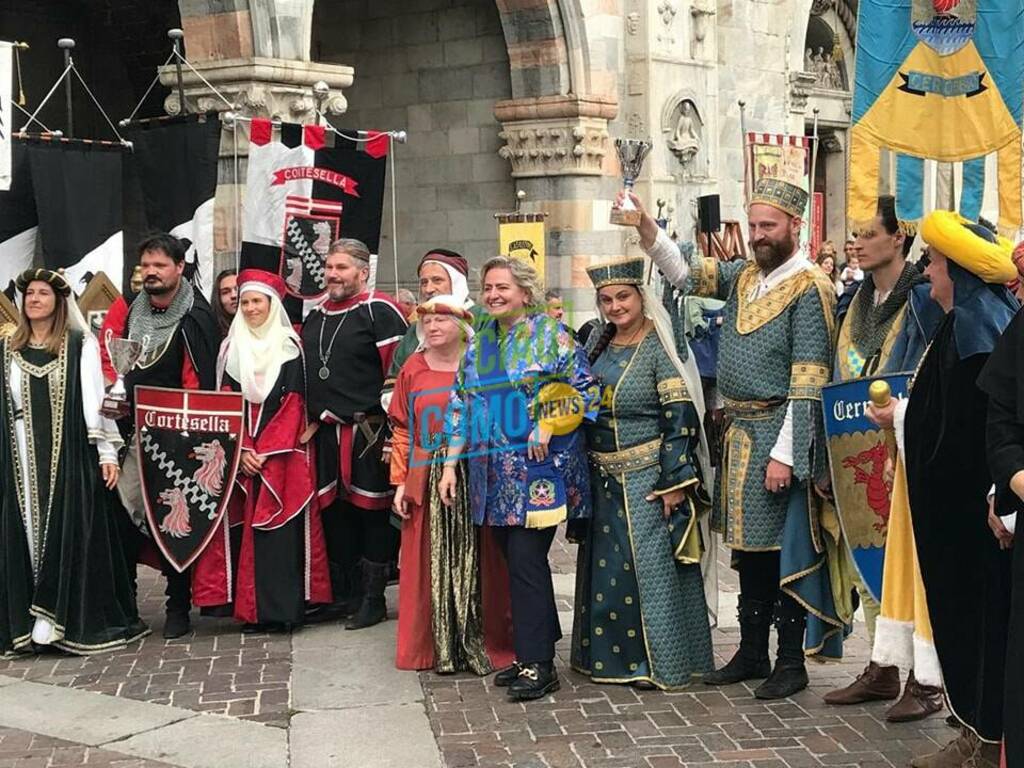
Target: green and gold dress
(641, 614)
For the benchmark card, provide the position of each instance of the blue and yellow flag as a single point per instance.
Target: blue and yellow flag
(938, 80)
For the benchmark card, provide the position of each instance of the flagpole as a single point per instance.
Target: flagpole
(66, 44)
(811, 182)
(176, 36)
(747, 167)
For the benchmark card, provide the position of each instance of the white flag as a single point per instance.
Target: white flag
(6, 113)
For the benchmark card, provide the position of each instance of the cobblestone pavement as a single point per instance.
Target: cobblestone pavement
(605, 726)
(217, 669)
(214, 669)
(21, 749)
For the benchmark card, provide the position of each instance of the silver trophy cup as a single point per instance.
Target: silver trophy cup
(124, 353)
(632, 153)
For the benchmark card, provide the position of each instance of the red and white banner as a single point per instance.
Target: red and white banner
(781, 156)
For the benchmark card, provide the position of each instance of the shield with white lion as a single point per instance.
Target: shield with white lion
(189, 449)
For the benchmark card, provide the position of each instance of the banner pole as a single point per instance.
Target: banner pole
(176, 36)
(811, 181)
(66, 44)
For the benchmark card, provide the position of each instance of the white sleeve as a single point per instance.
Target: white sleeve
(102, 432)
(669, 259)
(783, 450)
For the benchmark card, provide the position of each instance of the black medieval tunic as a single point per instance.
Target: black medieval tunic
(965, 574)
(61, 560)
(1002, 380)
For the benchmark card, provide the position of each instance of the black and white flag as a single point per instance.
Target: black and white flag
(173, 173)
(63, 210)
(306, 188)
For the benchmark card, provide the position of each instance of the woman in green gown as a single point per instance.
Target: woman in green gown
(64, 580)
(642, 617)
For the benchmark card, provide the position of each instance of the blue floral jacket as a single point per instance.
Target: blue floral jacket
(505, 372)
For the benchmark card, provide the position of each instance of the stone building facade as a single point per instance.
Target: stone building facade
(505, 95)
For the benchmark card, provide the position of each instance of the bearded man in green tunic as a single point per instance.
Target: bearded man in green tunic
(775, 355)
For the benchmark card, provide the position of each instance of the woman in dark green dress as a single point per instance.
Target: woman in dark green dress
(641, 612)
(64, 581)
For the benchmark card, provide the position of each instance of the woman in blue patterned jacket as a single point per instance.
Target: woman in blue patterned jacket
(523, 391)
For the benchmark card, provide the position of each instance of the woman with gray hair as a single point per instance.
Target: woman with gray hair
(523, 391)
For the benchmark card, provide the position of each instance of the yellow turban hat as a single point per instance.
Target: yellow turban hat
(957, 239)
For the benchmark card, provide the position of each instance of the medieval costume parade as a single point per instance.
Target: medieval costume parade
(453, 610)
(774, 357)
(281, 563)
(175, 325)
(1002, 379)
(348, 342)
(524, 478)
(956, 604)
(65, 580)
(641, 614)
(883, 328)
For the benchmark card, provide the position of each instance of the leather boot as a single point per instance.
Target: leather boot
(750, 662)
(918, 702)
(954, 755)
(373, 609)
(176, 625)
(875, 683)
(534, 681)
(789, 674)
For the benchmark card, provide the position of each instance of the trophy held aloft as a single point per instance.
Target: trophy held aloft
(632, 153)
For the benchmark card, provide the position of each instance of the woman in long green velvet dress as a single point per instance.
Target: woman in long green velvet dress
(64, 580)
(642, 617)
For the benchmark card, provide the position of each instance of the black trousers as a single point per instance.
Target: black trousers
(759, 578)
(178, 586)
(353, 534)
(535, 628)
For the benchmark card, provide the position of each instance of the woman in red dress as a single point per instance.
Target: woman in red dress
(453, 599)
(277, 566)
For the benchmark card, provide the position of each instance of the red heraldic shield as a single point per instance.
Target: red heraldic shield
(189, 448)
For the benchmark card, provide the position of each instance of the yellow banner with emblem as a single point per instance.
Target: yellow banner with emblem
(523, 236)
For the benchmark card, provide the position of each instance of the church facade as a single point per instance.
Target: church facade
(499, 96)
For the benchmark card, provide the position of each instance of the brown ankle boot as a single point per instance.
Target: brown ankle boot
(955, 754)
(875, 683)
(917, 703)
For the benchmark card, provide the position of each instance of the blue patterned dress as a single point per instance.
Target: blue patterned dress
(641, 614)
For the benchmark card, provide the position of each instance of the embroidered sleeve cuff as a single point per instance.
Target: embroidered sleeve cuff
(806, 380)
(672, 391)
(659, 491)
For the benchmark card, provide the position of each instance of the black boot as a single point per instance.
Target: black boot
(178, 590)
(372, 609)
(534, 681)
(751, 661)
(176, 625)
(790, 674)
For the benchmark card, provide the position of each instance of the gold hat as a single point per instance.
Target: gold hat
(976, 249)
(788, 198)
(619, 272)
(56, 280)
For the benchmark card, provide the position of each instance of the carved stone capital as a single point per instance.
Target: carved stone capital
(573, 146)
(800, 86)
(555, 135)
(279, 89)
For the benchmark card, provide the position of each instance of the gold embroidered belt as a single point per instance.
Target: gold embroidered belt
(752, 409)
(628, 459)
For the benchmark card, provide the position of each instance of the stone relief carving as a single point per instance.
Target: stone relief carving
(701, 17)
(800, 85)
(667, 12)
(555, 147)
(819, 7)
(685, 139)
(635, 126)
(633, 23)
(828, 72)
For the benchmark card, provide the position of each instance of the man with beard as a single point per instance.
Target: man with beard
(774, 357)
(884, 328)
(950, 588)
(349, 342)
(176, 324)
(441, 273)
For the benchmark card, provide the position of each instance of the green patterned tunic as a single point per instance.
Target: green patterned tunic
(775, 355)
(640, 608)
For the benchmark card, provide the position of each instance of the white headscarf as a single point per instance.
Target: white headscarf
(453, 302)
(254, 356)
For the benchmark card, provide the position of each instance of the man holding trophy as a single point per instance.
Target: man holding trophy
(170, 340)
(774, 357)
